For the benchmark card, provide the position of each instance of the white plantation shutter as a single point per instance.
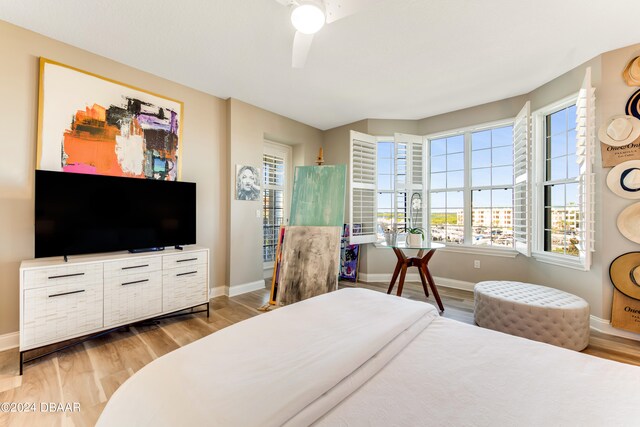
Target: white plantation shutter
(585, 153)
(412, 149)
(363, 188)
(275, 166)
(522, 180)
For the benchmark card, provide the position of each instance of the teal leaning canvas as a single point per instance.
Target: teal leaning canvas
(318, 195)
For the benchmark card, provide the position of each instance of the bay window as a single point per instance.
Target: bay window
(487, 187)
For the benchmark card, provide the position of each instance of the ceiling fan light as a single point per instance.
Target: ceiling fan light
(307, 18)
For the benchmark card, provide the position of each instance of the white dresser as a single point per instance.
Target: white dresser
(93, 293)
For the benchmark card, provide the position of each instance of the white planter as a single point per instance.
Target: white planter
(414, 240)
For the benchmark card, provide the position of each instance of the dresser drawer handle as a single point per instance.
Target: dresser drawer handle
(134, 282)
(184, 274)
(188, 259)
(135, 266)
(66, 293)
(65, 275)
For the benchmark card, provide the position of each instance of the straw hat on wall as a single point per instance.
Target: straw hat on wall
(625, 274)
(629, 222)
(631, 73)
(624, 179)
(619, 130)
(633, 105)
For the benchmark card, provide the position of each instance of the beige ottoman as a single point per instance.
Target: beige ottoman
(532, 311)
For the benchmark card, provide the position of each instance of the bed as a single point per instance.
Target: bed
(358, 357)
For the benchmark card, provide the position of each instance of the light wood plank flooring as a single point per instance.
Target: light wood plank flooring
(92, 371)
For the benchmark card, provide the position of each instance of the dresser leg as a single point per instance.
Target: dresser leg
(21, 361)
(207, 310)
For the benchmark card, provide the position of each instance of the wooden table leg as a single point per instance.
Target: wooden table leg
(432, 285)
(420, 263)
(403, 274)
(402, 259)
(395, 276)
(424, 281)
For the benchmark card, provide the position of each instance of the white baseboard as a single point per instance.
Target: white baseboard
(217, 291)
(9, 341)
(415, 277)
(453, 283)
(244, 288)
(604, 326)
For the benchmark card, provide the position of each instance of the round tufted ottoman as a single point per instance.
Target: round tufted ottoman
(532, 311)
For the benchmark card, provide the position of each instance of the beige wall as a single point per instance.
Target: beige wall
(504, 109)
(611, 98)
(204, 160)
(248, 128)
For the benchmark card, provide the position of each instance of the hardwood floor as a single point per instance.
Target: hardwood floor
(90, 373)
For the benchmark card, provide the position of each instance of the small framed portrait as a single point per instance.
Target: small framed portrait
(247, 183)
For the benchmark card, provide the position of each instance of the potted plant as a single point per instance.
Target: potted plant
(415, 236)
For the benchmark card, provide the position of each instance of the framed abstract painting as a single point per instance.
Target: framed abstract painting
(95, 125)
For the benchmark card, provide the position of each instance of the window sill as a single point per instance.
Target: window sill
(502, 253)
(559, 260)
(463, 249)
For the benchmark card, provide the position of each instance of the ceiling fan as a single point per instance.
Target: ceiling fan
(309, 16)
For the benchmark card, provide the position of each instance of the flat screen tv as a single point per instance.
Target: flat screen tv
(81, 214)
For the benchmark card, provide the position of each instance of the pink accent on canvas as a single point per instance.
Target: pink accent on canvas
(80, 168)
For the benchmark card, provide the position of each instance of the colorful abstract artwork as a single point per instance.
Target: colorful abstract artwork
(349, 255)
(89, 124)
(319, 195)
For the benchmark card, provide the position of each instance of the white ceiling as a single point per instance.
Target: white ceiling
(400, 59)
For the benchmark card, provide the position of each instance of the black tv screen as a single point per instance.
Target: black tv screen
(81, 214)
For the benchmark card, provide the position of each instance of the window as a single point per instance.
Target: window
(386, 185)
(447, 189)
(392, 175)
(274, 172)
(400, 174)
(492, 187)
(560, 186)
(471, 187)
(564, 205)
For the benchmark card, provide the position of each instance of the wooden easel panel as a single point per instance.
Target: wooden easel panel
(276, 267)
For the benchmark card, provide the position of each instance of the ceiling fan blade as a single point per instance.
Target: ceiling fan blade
(337, 9)
(285, 2)
(301, 46)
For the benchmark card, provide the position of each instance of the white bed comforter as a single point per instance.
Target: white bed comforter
(291, 365)
(454, 374)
